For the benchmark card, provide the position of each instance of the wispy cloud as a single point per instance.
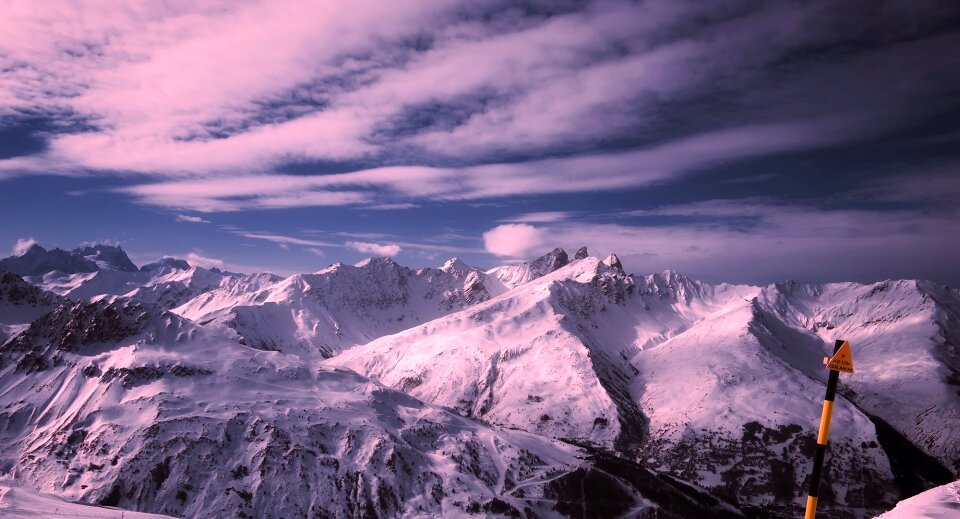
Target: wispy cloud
(23, 245)
(388, 249)
(285, 240)
(198, 260)
(594, 172)
(191, 219)
(540, 217)
(182, 90)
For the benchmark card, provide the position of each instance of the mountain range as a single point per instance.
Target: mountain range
(564, 386)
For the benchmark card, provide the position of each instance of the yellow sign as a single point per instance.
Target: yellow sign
(842, 360)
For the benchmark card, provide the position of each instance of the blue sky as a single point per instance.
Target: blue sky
(733, 141)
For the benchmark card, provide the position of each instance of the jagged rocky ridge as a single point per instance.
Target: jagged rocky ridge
(88, 258)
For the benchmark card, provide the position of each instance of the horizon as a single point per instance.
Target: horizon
(733, 142)
(204, 263)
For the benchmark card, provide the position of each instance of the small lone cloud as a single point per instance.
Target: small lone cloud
(391, 249)
(201, 261)
(23, 245)
(512, 240)
(191, 219)
(316, 252)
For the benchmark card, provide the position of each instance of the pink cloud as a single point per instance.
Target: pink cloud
(159, 79)
(390, 249)
(562, 175)
(513, 240)
(23, 245)
(198, 260)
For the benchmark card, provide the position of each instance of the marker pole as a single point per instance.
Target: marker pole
(822, 438)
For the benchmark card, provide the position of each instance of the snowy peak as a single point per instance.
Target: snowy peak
(90, 258)
(106, 257)
(613, 262)
(549, 262)
(20, 304)
(338, 307)
(512, 276)
(456, 265)
(166, 262)
(37, 260)
(71, 326)
(376, 262)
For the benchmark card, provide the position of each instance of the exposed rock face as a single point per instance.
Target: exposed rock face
(581, 253)
(106, 257)
(613, 261)
(20, 304)
(173, 263)
(38, 261)
(549, 262)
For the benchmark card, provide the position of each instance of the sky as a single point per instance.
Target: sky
(734, 141)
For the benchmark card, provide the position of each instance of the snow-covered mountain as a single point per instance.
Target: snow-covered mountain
(718, 386)
(942, 502)
(121, 403)
(26, 503)
(88, 258)
(93, 272)
(20, 304)
(342, 306)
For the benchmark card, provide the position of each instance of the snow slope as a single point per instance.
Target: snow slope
(121, 403)
(720, 385)
(942, 502)
(20, 502)
(336, 308)
(20, 304)
(508, 360)
(165, 283)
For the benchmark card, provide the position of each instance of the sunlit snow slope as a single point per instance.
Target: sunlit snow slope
(124, 404)
(721, 385)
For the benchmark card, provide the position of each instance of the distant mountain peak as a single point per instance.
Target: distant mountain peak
(33, 249)
(456, 264)
(613, 262)
(37, 261)
(549, 262)
(166, 261)
(581, 253)
(375, 261)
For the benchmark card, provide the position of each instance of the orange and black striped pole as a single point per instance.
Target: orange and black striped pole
(842, 360)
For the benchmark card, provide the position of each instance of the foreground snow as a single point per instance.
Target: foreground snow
(942, 502)
(21, 502)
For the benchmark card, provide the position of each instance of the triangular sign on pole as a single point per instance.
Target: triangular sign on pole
(842, 360)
